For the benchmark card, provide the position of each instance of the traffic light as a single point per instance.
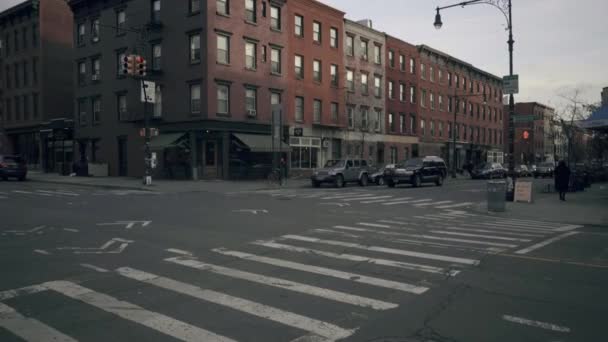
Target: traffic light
(141, 66)
(526, 135)
(128, 65)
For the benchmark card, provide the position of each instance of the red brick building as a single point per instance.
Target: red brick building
(533, 141)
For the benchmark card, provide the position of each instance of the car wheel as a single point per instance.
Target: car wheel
(439, 181)
(390, 184)
(315, 184)
(416, 181)
(339, 181)
(363, 180)
(380, 181)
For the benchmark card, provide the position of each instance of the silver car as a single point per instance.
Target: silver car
(342, 171)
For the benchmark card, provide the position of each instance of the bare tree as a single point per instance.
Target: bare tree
(576, 109)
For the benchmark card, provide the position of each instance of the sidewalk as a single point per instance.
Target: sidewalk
(589, 207)
(172, 186)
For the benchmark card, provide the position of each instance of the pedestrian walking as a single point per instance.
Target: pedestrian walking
(562, 179)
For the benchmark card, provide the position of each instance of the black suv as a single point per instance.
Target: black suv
(417, 171)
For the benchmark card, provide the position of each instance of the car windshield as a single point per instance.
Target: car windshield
(416, 162)
(334, 163)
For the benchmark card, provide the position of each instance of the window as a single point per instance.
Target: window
(471, 86)
(364, 50)
(333, 73)
(26, 78)
(299, 66)
(364, 118)
(275, 60)
(121, 20)
(16, 48)
(155, 16)
(471, 109)
(402, 62)
(333, 37)
(377, 86)
(195, 98)
(82, 73)
(350, 82)
(157, 53)
(316, 110)
(121, 100)
(449, 129)
(316, 70)
(456, 81)
(440, 128)
(222, 7)
(422, 128)
(401, 92)
(364, 84)
(275, 17)
(378, 120)
(9, 109)
(432, 71)
(394, 156)
(401, 123)
(16, 74)
(35, 35)
(464, 132)
(17, 108)
(422, 71)
(334, 112)
(423, 98)
(223, 49)
(299, 109)
(350, 112)
(391, 90)
(7, 76)
(391, 122)
(440, 75)
(391, 58)
(441, 102)
(350, 45)
(449, 79)
(82, 112)
(299, 25)
(194, 6)
(96, 105)
(120, 56)
(432, 128)
(223, 99)
(412, 66)
(432, 98)
(26, 108)
(275, 98)
(250, 55)
(305, 152)
(316, 32)
(250, 11)
(95, 69)
(81, 33)
(35, 70)
(413, 123)
(95, 30)
(251, 100)
(377, 54)
(412, 94)
(449, 104)
(24, 37)
(34, 105)
(195, 48)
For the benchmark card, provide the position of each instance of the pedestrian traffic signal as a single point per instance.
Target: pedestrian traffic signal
(526, 135)
(141, 66)
(128, 65)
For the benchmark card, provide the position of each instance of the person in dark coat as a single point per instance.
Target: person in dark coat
(562, 179)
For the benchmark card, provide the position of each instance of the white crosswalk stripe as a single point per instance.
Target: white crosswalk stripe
(477, 242)
(457, 205)
(385, 200)
(317, 327)
(493, 231)
(29, 329)
(366, 198)
(358, 278)
(407, 202)
(431, 203)
(159, 322)
(493, 237)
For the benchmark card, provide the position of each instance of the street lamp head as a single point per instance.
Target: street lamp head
(438, 22)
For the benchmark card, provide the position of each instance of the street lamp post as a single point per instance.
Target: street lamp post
(505, 8)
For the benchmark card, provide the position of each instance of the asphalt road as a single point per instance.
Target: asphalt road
(302, 265)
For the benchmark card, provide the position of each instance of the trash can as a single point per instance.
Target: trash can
(496, 195)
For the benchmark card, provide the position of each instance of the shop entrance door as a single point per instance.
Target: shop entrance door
(210, 159)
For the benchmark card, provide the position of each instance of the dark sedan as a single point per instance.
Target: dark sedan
(489, 171)
(544, 170)
(12, 166)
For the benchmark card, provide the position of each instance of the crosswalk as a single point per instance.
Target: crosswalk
(320, 284)
(362, 197)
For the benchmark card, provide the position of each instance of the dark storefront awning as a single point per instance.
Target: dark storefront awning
(260, 143)
(166, 140)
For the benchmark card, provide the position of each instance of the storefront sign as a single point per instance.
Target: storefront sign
(523, 192)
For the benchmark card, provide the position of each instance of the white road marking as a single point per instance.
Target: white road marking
(373, 225)
(536, 324)
(385, 250)
(358, 278)
(27, 328)
(568, 228)
(394, 222)
(524, 225)
(59, 192)
(528, 228)
(71, 230)
(22, 291)
(431, 203)
(285, 284)
(320, 328)
(365, 198)
(385, 200)
(22, 192)
(357, 258)
(407, 202)
(3, 197)
(508, 228)
(458, 205)
(475, 242)
(493, 237)
(94, 268)
(179, 251)
(355, 229)
(128, 224)
(493, 231)
(41, 251)
(159, 322)
(428, 218)
(341, 196)
(544, 243)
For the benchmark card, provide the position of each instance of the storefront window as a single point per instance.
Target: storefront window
(305, 153)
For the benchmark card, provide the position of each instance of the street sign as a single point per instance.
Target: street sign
(510, 84)
(524, 118)
(150, 92)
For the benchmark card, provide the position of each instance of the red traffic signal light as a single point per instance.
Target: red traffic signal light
(141, 66)
(526, 135)
(128, 65)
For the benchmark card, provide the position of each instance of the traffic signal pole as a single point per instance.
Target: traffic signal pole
(147, 153)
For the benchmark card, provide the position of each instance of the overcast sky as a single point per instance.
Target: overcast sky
(559, 44)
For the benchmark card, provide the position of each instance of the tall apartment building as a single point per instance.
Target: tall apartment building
(315, 102)
(364, 50)
(217, 67)
(455, 97)
(36, 78)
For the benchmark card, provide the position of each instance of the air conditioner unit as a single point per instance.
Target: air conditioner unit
(96, 77)
(251, 113)
(95, 39)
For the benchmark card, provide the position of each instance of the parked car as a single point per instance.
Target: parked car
(13, 166)
(342, 171)
(417, 171)
(522, 171)
(544, 170)
(377, 177)
(489, 171)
